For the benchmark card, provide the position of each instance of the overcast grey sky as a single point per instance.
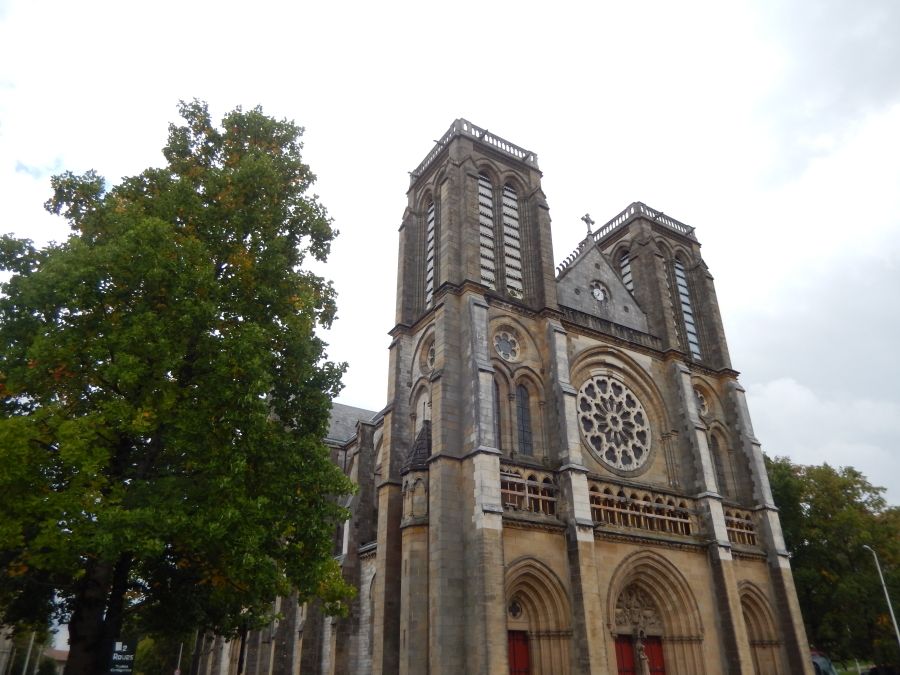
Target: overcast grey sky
(772, 127)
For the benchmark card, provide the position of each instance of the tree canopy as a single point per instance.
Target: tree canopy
(164, 396)
(827, 515)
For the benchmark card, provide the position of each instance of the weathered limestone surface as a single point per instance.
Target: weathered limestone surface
(563, 478)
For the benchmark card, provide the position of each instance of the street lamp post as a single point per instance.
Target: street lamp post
(884, 586)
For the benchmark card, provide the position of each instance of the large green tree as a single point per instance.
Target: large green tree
(163, 395)
(827, 515)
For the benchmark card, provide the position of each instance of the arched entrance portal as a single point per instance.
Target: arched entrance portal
(764, 645)
(538, 620)
(655, 621)
(638, 652)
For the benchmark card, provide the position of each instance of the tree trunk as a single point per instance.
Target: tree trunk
(97, 617)
(199, 643)
(86, 626)
(112, 622)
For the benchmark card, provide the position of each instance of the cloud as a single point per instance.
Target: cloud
(792, 419)
(833, 328)
(36, 172)
(838, 64)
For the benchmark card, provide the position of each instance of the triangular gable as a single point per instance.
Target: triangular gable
(574, 289)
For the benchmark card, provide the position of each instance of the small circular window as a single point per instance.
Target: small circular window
(506, 342)
(613, 423)
(426, 358)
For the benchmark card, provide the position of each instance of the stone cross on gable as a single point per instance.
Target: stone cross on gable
(588, 221)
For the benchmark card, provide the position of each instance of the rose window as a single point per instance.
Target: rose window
(426, 358)
(613, 423)
(507, 344)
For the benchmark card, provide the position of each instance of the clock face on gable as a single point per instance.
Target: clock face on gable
(599, 292)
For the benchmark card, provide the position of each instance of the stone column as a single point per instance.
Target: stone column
(396, 440)
(386, 652)
(736, 654)
(712, 317)
(414, 584)
(652, 288)
(360, 529)
(788, 607)
(588, 640)
(286, 637)
(311, 632)
(484, 604)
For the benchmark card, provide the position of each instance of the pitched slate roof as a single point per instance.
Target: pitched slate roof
(342, 425)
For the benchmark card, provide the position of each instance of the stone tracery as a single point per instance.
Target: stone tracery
(636, 610)
(507, 343)
(613, 423)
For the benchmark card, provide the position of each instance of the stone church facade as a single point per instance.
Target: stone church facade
(565, 478)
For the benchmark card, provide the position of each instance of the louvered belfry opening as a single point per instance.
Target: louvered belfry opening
(429, 255)
(512, 244)
(687, 311)
(486, 231)
(625, 267)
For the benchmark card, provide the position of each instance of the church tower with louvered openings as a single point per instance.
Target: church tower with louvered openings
(565, 479)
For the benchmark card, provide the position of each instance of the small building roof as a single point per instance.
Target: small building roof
(342, 425)
(419, 453)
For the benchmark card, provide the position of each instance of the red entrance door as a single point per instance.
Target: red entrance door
(653, 649)
(519, 663)
(625, 658)
(625, 655)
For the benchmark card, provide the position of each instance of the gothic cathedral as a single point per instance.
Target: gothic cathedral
(565, 478)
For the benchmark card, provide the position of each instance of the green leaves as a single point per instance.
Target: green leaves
(76, 197)
(827, 515)
(148, 367)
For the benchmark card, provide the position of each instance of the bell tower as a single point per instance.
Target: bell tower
(659, 259)
(476, 216)
(475, 240)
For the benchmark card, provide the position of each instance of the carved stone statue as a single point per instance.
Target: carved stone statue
(643, 659)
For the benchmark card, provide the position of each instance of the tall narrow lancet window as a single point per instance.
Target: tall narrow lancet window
(716, 452)
(429, 254)
(486, 231)
(625, 267)
(687, 311)
(523, 417)
(512, 244)
(497, 414)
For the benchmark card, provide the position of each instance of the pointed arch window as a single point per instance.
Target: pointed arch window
(486, 231)
(500, 238)
(716, 452)
(429, 254)
(497, 425)
(512, 244)
(523, 421)
(625, 268)
(687, 311)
